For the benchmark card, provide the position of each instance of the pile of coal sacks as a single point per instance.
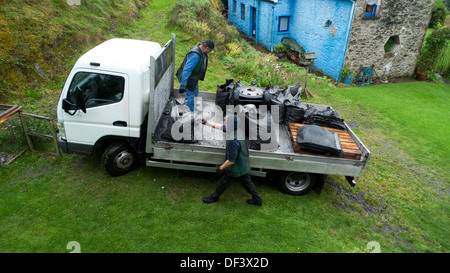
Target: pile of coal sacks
(290, 108)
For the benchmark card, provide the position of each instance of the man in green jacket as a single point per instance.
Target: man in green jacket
(192, 69)
(237, 163)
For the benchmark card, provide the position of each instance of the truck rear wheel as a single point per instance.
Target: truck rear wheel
(118, 159)
(296, 183)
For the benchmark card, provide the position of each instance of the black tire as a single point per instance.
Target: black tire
(296, 183)
(119, 159)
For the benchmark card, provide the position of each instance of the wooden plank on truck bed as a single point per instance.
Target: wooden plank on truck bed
(349, 147)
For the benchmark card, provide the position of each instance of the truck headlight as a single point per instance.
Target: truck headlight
(62, 131)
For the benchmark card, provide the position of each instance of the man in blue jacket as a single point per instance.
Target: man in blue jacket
(192, 69)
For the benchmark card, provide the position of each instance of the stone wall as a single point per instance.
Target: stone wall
(404, 20)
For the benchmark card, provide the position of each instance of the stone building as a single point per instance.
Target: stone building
(387, 34)
(390, 38)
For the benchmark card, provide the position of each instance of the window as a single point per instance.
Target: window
(96, 89)
(391, 45)
(234, 6)
(242, 11)
(372, 9)
(283, 23)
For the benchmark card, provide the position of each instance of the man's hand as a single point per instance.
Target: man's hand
(219, 171)
(182, 89)
(204, 121)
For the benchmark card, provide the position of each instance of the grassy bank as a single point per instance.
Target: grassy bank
(41, 39)
(401, 200)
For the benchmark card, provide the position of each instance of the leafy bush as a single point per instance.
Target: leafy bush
(202, 20)
(252, 67)
(346, 72)
(233, 49)
(438, 15)
(280, 47)
(433, 45)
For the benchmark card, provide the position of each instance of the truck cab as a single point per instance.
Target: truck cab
(105, 97)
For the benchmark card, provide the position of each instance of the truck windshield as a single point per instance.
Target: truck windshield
(97, 89)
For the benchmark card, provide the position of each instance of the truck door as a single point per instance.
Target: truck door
(104, 98)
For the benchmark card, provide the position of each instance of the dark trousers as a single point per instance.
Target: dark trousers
(246, 182)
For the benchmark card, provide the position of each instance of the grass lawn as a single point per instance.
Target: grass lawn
(401, 201)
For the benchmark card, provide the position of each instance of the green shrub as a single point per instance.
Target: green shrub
(438, 15)
(202, 20)
(433, 46)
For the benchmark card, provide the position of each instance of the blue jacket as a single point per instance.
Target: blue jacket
(193, 68)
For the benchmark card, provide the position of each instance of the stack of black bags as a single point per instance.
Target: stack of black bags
(291, 110)
(325, 118)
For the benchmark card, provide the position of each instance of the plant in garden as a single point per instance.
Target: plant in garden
(438, 15)
(433, 45)
(202, 20)
(345, 72)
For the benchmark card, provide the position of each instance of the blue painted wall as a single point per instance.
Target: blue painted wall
(309, 29)
(264, 19)
(306, 25)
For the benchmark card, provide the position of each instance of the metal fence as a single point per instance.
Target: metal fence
(18, 132)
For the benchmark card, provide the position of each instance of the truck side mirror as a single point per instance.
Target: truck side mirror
(80, 99)
(66, 105)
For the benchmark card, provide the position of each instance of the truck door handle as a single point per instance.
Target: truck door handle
(120, 123)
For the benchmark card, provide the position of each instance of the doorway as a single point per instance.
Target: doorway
(253, 22)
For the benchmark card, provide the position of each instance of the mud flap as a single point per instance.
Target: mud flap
(351, 181)
(320, 182)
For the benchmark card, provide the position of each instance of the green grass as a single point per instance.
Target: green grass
(414, 114)
(406, 128)
(401, 199)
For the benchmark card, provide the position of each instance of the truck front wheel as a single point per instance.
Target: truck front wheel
(118, 159)
(296, 183)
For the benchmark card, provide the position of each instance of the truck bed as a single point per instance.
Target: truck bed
(208, 152)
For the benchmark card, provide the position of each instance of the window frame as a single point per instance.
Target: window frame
(288, 17)
(395, 48)
(374, 14)
(71, 93)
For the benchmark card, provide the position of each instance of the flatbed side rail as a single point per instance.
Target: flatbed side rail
(196, 154)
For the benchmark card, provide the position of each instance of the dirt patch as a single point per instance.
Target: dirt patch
(357, 201)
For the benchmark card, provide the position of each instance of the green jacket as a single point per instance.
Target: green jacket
(241, 165)
(199, 71)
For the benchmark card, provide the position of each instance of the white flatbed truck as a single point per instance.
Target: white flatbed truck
(116, 95)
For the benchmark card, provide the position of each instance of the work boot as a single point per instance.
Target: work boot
(254, 202)
(210, 199)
